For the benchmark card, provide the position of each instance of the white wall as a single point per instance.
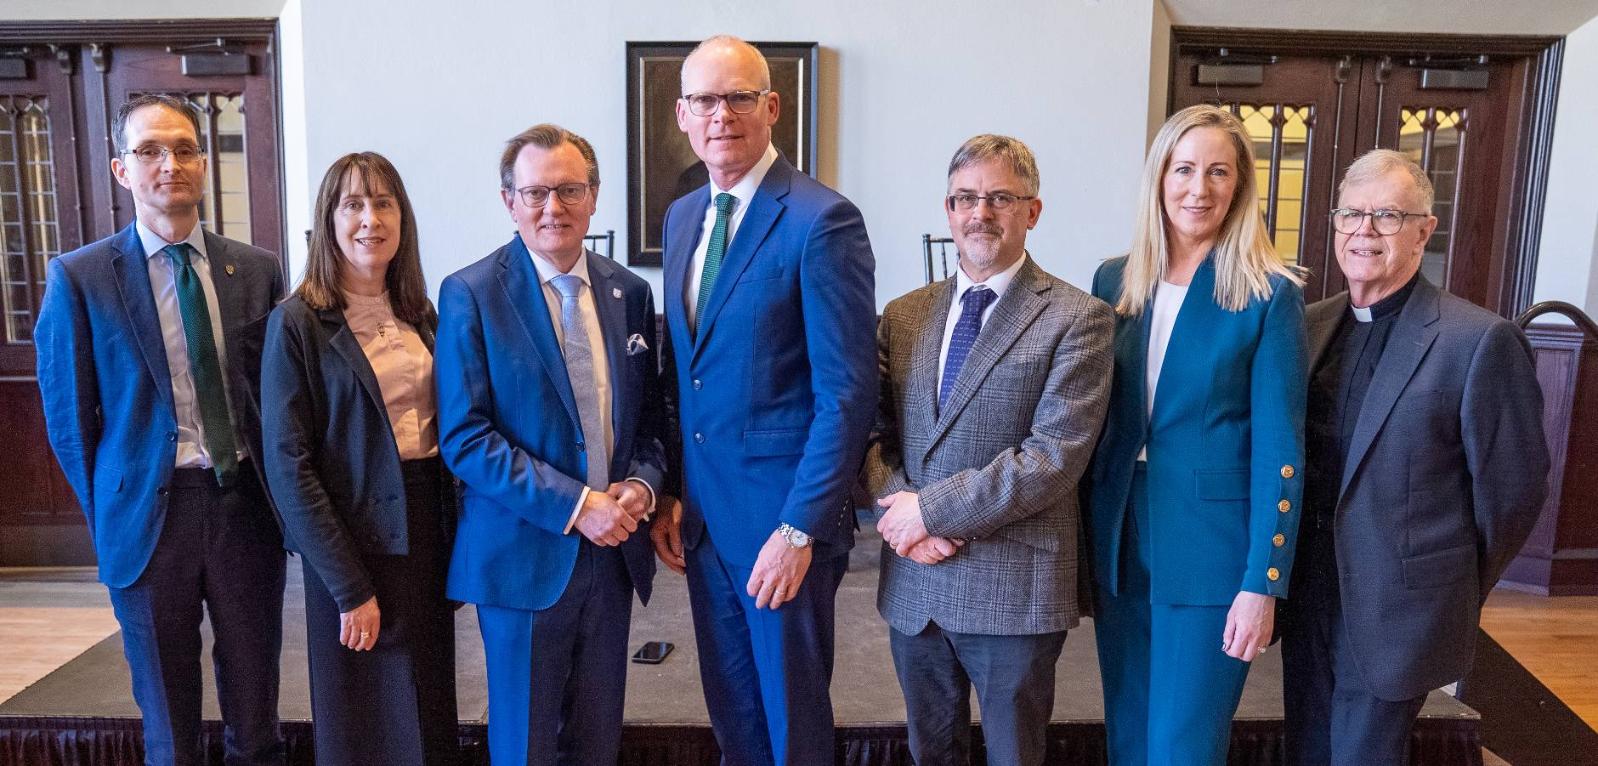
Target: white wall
(1567, 267)
(438, 92)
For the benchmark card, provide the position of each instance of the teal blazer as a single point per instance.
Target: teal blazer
(1225, 444)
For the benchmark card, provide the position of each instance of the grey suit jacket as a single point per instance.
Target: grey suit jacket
(1445, 476)
(999, 464)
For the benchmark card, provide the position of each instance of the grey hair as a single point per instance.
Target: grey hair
(119, 127)
(732, 42)
(1011, 151)
(545, 136)
(1379, 162)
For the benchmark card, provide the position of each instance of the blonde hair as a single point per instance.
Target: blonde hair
(1244, 256)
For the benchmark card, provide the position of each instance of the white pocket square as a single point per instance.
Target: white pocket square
(636, 344)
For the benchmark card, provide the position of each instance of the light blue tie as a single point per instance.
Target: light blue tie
(580, 371)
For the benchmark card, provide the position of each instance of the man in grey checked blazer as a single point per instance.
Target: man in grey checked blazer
(994, 388)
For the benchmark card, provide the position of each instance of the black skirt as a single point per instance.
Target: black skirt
(394, 704)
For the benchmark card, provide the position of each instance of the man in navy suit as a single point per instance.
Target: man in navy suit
(771, 380)
(548, 411)
(149, 358)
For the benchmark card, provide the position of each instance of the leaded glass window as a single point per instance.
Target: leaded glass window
(29, 233)
(1434, 137)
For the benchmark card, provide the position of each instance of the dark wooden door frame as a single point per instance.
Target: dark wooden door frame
(80, 44)
(1525, 193)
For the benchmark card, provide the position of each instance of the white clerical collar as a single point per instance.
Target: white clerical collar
(1361, 314)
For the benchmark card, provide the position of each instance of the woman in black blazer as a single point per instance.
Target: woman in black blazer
(351, 457)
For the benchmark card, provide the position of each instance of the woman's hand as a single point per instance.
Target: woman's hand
(1248, 626)
(357, 628)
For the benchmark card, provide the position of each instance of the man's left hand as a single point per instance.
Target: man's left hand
(779, 571)
(633, 498)
(902, 526)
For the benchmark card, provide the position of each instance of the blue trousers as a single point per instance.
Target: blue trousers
(557, 677)
(766, 672)
(1169, 690)
(220, 554)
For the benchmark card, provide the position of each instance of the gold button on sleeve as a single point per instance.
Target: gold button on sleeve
(1272, 574)
(1287, 472)
(1279, 540)
(1284, 506)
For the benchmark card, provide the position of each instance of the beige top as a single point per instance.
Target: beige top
(404, 370)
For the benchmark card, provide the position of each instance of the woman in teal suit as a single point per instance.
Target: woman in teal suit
(1193, 492)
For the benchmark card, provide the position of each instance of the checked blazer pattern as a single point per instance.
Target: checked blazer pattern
(998, 464)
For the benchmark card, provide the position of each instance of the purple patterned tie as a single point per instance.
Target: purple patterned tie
(972, 304)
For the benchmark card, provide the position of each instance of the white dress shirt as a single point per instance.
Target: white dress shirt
(1162, 321)
(191, 451)
(596, 343)
(998, 283)
(743, 192)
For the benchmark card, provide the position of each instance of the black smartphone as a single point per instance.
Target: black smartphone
(653, 652)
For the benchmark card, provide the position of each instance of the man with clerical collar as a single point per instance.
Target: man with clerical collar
(1427, 470)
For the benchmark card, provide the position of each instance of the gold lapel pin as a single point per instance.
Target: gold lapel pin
(230, 268)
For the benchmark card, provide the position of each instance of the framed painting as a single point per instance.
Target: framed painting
(661, 165)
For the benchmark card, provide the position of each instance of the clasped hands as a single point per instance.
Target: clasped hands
(607, 518)
(903, 528)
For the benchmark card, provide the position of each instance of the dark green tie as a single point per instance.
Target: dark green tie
(715, 250)
(204, 368)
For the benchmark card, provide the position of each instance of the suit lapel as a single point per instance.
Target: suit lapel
(1198, 306)
(346, 345)
(679, 258)
(133, 280)
(1322, 327)
(923, 393)
(1413, 333)
(764, 208)
(525, 295)
(227, 288)
(611, 305)
(1016, 309)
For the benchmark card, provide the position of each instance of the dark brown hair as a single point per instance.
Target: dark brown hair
(407, 288)
(119, 127)
(545, 136)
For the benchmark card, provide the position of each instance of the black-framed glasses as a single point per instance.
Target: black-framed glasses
(966, 203)
(538, 196)
(1386, 222)
(155, 154)
(738, 101)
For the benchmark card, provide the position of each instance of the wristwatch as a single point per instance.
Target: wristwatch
(794, 537)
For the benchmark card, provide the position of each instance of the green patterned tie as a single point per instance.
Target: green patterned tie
(204, 368)
(714, 252)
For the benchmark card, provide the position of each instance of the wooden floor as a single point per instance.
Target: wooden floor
(49, 616)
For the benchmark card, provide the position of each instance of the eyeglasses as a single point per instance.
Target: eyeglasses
(538, 196)
(966, 203)
(153, 154)
(738, 101)
(1386, 222)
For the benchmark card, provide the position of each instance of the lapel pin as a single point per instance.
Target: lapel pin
(230, 268)
(615, 292)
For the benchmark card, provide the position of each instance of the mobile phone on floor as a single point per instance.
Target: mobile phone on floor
(653, 652)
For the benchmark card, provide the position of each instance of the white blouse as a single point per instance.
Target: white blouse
(404, 370)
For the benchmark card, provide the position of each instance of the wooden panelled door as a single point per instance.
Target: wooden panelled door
(60, 86)
(1475, 113)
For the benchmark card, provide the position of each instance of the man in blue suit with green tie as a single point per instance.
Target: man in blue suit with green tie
(149, 348)
(548, 412)
(771, 380)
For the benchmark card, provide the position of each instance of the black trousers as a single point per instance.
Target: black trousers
(220, 554)
(395, 704)
(1330, 716)
(1014, 680)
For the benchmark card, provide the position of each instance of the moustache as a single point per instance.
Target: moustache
(981, 228)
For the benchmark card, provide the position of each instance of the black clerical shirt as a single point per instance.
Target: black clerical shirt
(1336, 395)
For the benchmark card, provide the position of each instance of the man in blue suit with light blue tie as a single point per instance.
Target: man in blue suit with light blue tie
(149, 350)
(771, 381)
(549, 412)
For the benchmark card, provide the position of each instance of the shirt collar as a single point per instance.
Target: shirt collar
(750, 183)
(998, 283)
(547, 270)
(1386, 307)
(153, 243)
